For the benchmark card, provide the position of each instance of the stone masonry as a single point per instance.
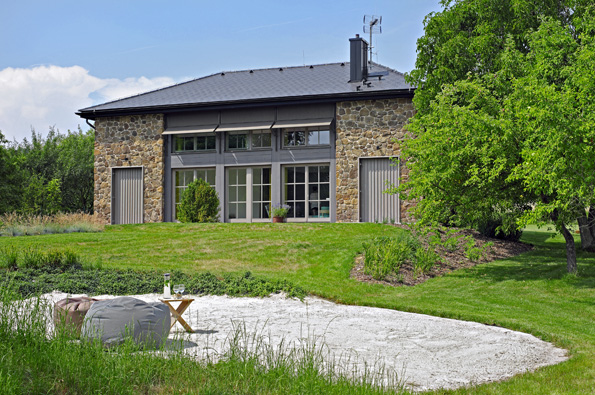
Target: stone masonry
(130, 141)
(367, 128)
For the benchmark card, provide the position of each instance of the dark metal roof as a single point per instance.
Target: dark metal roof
(263, 85)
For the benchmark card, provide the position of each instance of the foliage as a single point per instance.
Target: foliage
(505, 126)
(280, 210)
(34, 271)
(47, 175)
(8, 179)
(36, 361)
(493, 226)
(385, 255)
(14, 224)
(200, 203)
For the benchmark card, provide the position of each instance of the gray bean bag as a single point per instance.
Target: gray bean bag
(112, 320)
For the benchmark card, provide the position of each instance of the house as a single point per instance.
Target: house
(318, 138)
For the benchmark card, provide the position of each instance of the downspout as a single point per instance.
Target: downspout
(88, 123)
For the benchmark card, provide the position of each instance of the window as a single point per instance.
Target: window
(201, 142)
(184, 177)
(261, 139)
(307, 191)
(261, 192)
(236, 193)
(246, 140)
(305, 137)
(237, 140)
(248, 194)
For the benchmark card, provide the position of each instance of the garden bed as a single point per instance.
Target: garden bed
(449, 260)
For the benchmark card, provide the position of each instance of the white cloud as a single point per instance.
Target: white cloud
(45, 96)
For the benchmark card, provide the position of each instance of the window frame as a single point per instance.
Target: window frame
(195, 138)
(249, 140)
(182, 188)
(306, 130)
(307, 186)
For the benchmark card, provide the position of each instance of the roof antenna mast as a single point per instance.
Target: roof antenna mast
(372, 25)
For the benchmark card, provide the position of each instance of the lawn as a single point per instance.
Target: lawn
(531, 292)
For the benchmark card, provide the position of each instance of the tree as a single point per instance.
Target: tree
(9, 192)
(504, 130)
(35, 163)
(200, 203)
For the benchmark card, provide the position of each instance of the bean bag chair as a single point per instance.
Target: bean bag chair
(69, 313)
(111, 321)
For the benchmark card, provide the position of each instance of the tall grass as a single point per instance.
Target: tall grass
(13, 224)
(36, 359)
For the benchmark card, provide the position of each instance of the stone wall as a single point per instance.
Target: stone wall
(130, 141)
(367, 128)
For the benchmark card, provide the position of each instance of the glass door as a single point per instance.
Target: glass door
(248, 193)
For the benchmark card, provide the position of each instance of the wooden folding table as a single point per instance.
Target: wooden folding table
(177, 312)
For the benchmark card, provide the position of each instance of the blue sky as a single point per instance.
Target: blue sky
(57, 57)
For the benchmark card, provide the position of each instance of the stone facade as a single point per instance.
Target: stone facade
(130, 141)
(367, 128)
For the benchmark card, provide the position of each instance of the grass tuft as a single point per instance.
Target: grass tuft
(13, 224)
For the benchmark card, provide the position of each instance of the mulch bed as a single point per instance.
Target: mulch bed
(450, 260)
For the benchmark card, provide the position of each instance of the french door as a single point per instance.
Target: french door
(248, 194)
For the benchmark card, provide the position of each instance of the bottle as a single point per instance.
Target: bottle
(166, 286)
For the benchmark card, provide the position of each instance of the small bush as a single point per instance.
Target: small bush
(385, 255)
(425, 259)
(200, 203)
(494, 227)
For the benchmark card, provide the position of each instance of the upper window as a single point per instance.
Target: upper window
(247, 140)
(303, 137)
(201, 142)
(237, 140)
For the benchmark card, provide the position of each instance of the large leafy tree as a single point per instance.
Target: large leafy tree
(44, 175)
(504, 124)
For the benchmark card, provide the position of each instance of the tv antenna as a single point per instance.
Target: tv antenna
(372, 25)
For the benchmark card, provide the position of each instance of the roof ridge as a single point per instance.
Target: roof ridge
(281, 67)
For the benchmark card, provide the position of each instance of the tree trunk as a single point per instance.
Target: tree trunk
(587, 239)
(570, 250)
(591, 219)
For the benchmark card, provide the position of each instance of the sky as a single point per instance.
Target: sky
(58, 57)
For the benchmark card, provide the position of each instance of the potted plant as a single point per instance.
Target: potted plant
(280, 212)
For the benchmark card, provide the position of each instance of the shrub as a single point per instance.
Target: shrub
(385, 255)
(495, 227)
(200, 203)
(425, 259)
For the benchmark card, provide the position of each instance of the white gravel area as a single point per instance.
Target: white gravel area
(425, 352)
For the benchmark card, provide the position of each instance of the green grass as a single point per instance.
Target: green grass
(531, 292)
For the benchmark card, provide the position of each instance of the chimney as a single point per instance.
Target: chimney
(358, 62)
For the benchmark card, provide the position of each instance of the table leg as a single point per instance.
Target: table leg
(177, 314)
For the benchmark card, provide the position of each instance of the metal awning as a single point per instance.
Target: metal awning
(232, 127)
(191, 129)
(303, 123)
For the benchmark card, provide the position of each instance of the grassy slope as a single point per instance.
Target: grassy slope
(530, 293)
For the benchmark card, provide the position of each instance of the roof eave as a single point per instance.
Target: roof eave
(349, 96)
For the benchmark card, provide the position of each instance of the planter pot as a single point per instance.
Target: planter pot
(278, 220)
